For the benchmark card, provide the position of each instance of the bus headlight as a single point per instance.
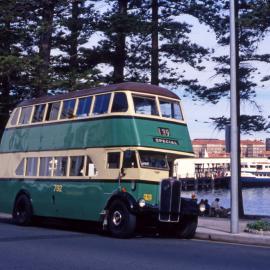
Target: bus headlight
(142, 203)
(202, 207)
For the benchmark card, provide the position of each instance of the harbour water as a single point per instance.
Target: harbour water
(256, 200)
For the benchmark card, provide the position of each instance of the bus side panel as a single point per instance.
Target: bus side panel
(40, 193)
(112, 132)
(8, 190)
(83, 200)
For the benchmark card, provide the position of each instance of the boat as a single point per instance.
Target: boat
(255, 174)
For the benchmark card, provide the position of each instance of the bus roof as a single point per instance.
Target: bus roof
(132, 86)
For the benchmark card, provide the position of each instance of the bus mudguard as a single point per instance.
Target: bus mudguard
(127, 198)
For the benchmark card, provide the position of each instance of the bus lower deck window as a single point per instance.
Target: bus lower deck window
(31, 166)
(60, 166)
(45, 166)
(20, 168)
(130, 160)
(113, 160)
(76, 166)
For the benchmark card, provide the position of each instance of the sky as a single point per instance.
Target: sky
(197, 113)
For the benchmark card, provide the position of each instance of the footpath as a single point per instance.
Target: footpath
(218, 229)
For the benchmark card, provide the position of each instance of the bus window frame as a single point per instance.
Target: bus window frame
(77, 106)
(44, 114)
(153, 168)
(171, 101)
(153, 97)
(94, 103)
(23, 169)
(74, 109)
(30, 117)
(58, 113)
(136, 157)
(18, 109)
(69, 167)
(112, 100)
(120, 159)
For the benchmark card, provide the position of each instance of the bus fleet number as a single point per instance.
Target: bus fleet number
(58, 188)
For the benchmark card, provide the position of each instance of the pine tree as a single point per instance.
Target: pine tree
(253, 26)
(15, 65)
(71, 72)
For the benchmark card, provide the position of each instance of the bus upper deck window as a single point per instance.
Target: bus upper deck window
(120, 103)
(84, 106)
(76, 166)
(68, 109)
(113, 160)
(38, 113)
(15, 117)
(170, 109)
(25, 115)
(101, 104)
(145, 105)
(177, 113)
(52, 112)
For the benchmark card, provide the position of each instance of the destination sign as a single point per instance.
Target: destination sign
(165, 141)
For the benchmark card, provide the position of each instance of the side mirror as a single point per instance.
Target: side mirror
(122, 172)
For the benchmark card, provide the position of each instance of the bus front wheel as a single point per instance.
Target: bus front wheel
(187, 227)
(121, 223)
(23, 211)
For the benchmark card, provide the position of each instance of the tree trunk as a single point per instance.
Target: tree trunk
(45, 46)
(120, 46)
(73, 61)
(154, 48)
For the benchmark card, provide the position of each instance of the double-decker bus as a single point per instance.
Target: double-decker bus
(104, 154)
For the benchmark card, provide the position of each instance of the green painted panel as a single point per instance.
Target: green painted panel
(109, 132)
(77, 200)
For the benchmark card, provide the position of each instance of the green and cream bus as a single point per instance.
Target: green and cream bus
(104, 154)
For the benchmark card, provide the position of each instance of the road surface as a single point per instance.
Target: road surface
(65, 247)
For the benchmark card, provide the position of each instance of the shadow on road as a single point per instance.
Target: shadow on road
(75, 226)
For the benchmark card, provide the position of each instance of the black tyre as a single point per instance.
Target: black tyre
(187, 227)
(121, 223)
(22, 211)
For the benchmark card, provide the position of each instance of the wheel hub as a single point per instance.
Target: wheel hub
(117, 218)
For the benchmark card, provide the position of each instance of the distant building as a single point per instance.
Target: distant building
(209, 148)
(267, 142)
(215, 148)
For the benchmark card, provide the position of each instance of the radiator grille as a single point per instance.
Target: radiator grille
(169, 205)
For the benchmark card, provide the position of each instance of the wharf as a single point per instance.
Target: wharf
(220, 182)
(205, 183)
